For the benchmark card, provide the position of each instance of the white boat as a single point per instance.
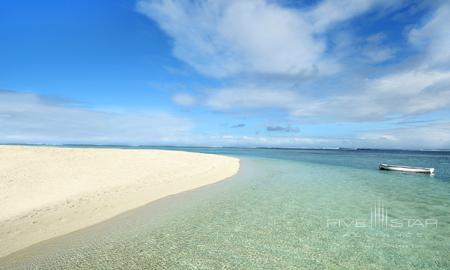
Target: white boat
(405, 168)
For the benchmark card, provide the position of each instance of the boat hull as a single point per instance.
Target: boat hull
(406, 169)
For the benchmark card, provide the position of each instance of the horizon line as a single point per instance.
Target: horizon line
(241, 147)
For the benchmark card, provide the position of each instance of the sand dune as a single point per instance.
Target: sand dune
(50, 191)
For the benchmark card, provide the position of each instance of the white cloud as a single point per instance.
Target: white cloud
(330, 12)
(229, 37)
(272, 141)
(434, 38)
(427, 136)
(376, 38)
(430, 136)
(30, 118)
(398, 94)
(225, 38)
(408, 83)
(183, 99)
(376, 51)
(379, 54)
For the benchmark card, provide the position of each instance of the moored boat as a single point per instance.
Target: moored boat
(401, 168)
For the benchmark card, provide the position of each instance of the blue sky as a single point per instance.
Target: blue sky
(368, 73)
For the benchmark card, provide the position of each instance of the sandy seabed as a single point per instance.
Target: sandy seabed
(50, 191)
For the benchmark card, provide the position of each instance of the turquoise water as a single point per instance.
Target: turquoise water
(286, 209)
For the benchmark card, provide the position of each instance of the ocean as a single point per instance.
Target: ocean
(285, 209)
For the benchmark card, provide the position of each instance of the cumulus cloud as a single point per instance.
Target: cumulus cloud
(229, 37)
(225, 38)
(399, 94)
(416, 89)
(32, 118)
(183, 99)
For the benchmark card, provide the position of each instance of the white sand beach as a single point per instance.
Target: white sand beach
(50, 191)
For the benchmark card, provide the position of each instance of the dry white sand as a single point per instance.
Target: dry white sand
(50, 191)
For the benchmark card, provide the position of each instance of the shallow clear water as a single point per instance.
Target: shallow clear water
(286, 209)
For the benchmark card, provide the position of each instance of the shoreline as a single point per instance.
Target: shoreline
(51, 191)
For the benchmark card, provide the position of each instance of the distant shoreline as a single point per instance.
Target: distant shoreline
(129, 146)
(50, 191)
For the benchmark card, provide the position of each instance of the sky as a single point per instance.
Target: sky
(314, 74)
